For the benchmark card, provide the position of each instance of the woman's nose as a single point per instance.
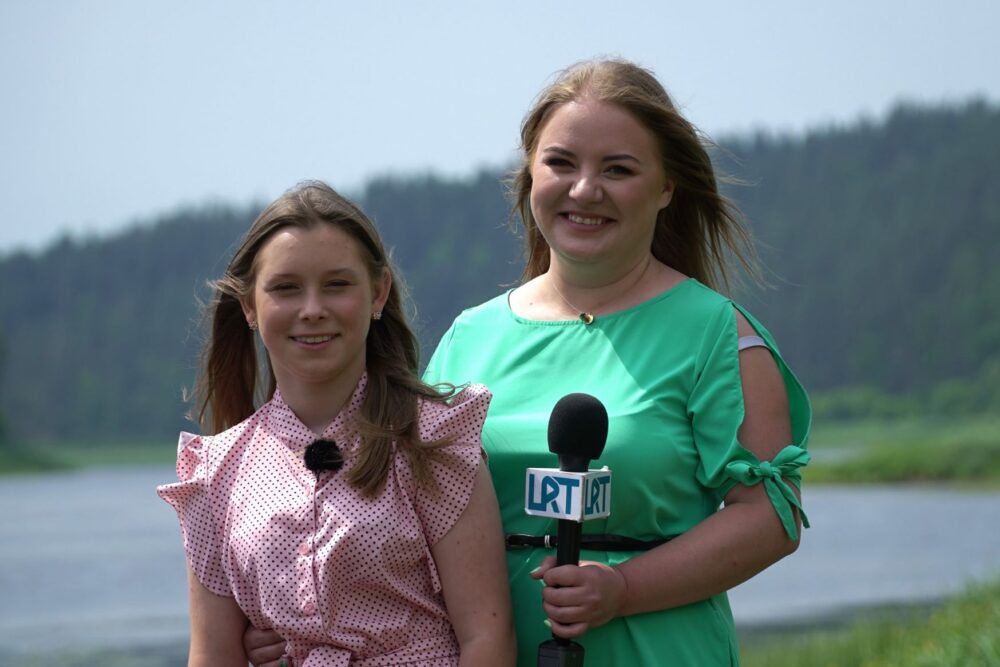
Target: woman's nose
(313, 306)
(586, 189)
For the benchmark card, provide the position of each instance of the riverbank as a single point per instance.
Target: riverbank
(925, 451)
(915, 450)
(960, 632)
(62, 456)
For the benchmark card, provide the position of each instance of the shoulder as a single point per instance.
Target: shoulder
(699, 314)
(459, 418)
(701, 298)
(486, 311)
(726, 314)
(458, 354)
(209, 453)
(455, 428)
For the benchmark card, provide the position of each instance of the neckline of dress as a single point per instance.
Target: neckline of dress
(670, 291)
(284, 424)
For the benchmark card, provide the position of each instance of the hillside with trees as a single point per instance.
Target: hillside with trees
(881, 242)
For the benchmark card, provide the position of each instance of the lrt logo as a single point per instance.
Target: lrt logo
(577, 496)
(551, 492)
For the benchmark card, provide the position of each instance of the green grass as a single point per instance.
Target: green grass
(930, 450)
(962, 632)
(49, 456)
(15, 459)
(828, 434)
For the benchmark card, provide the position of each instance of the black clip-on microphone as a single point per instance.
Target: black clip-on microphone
(323, 455)
(578, 429)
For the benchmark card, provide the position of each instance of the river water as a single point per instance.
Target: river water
(93, 558)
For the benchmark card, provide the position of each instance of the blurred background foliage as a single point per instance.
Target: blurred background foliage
(879, 240)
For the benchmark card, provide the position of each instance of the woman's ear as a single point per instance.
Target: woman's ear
(667, 194)
(381, 291)
(249, 312)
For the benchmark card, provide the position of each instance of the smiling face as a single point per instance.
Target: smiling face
(313, 299)
(597, 184)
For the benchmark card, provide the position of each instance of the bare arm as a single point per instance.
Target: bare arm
(722, 551)
(473, 569)
(217, 625)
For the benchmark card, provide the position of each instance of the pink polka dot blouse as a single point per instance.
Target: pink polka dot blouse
(346, 580)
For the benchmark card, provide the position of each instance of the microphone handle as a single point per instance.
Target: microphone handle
(559, 652)
(568, 548)
(570, 538)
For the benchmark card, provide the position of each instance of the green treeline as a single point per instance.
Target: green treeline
(885, 241)
(881, 242)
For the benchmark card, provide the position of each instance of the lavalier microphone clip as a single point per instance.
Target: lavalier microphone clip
(323, 455)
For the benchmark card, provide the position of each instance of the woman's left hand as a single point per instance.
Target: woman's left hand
(579, 597)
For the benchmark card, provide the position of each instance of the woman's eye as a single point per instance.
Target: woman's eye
(619, 170)
(556, 162)
(281, 287)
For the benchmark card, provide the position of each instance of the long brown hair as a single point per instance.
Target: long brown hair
(230, 383)
(699, 229)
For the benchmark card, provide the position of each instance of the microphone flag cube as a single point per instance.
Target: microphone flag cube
(573, 496)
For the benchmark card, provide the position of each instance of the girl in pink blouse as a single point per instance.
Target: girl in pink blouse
(350, 513)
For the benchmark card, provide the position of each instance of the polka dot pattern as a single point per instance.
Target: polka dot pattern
(347, 580)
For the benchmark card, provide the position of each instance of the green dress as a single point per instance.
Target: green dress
(668, 372)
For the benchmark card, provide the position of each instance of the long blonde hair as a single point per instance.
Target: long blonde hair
(230, 378)
(700, 227)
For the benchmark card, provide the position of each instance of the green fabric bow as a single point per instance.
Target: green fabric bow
(785, 465)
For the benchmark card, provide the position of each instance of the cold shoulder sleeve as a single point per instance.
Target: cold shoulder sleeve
(197, 506)
(453, 466)
(716, 410)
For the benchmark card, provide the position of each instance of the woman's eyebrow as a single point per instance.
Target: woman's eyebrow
(607, 158)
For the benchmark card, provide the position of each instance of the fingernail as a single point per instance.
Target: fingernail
(536, 570)
(547, 623)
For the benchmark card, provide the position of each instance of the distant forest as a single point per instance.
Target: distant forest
(880, 241)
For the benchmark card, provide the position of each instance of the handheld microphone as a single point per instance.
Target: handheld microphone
(578, 429)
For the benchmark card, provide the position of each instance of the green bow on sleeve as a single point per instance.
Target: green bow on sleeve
(785, 465)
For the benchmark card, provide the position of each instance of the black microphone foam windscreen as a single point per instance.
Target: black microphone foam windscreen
(323, 455)
(578, 427)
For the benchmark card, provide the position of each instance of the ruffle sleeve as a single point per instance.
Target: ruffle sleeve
(452, 467)
(716, 410)
(193, 499)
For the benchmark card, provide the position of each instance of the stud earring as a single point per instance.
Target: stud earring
(377, 315)
(252, 324)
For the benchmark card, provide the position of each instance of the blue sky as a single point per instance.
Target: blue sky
(116, 111)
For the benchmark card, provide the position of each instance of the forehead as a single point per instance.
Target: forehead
(322, 245)
(595, 124)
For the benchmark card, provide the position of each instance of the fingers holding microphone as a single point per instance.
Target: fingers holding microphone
(579, 597)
